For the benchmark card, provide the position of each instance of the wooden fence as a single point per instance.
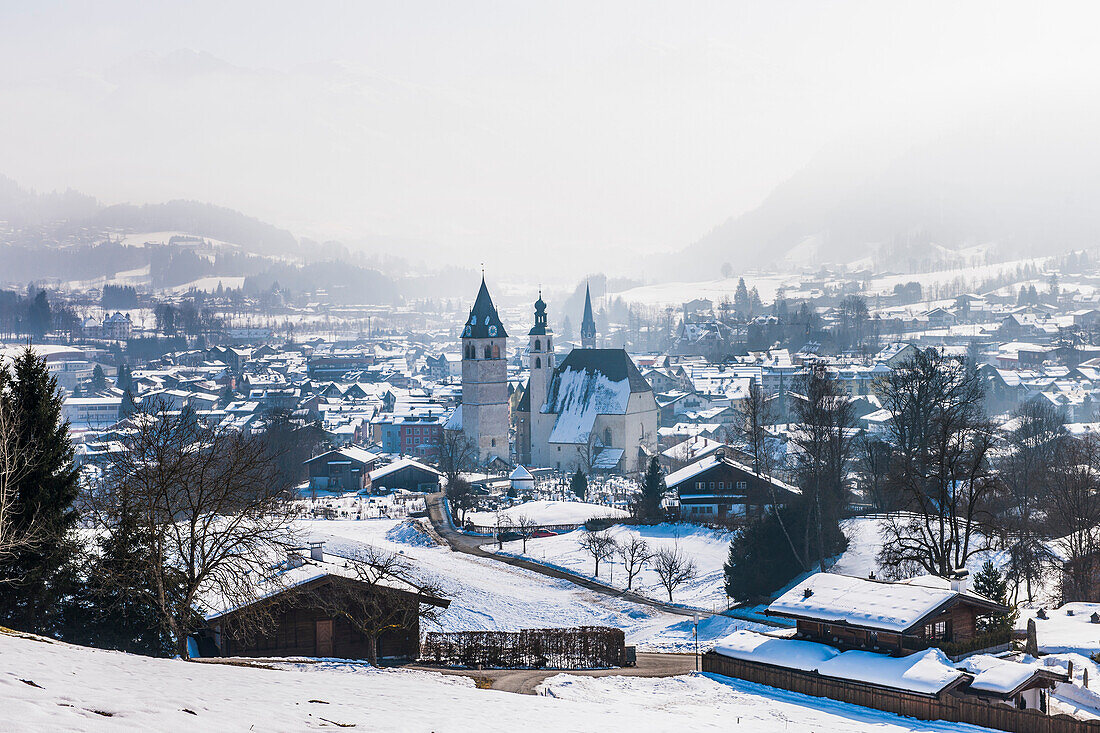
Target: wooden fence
(950, 705)
(583, 647)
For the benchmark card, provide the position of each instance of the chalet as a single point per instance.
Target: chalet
(717, 487)
(344, 469)
(407, 474)
(898, 618)
(316, 608)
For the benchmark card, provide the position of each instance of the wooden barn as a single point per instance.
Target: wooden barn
(344, 469)
(892, 618)
(319, 609)
(405, 473)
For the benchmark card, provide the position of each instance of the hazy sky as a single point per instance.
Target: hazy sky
(480, 129)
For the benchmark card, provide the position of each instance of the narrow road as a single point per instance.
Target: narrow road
(471, 545)
(524, 681)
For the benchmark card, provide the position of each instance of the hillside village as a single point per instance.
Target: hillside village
(842, 495)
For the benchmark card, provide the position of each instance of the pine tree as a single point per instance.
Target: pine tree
(124, 380)
(653, 491)
(579, 485)
(742, 302)
(128, 406)
(116, 609)
(39, 317)
(989, 582)
(36, 579)
(99, 379)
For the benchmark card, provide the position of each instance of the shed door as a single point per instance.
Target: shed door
(324, 638)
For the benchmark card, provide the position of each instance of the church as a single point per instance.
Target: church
(483, 415)
(593, 411)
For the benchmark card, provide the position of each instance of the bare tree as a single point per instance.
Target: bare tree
(212, 506)
(15, 536)
(940, 468)
(457, 454)
(824, 441)
(460, 495)
(754, 414)
(397, 597)
(526, 526)
(673, 569)
(635, 553)
(600, 545)
(1074, 512)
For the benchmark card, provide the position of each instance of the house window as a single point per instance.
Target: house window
(742, 485)
(936, 631)
(700, 485)
(712, 486)
(721, 485)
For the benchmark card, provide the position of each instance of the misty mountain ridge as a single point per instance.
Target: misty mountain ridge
(968, 198)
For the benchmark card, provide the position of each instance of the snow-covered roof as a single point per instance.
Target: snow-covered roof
(874, 604)
(1002, 676)
(928, 672)
(925, 673)
(380, 473)
(520, 474)
(791, 653)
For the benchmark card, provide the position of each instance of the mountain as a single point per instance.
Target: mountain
(1007, 189)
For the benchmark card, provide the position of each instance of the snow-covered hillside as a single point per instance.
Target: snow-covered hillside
(50, 686)
(548, 512)
(707, 547)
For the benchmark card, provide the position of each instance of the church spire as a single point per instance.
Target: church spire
(588, 323)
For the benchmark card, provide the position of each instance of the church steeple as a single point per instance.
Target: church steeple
(483, 321)
(588, 323)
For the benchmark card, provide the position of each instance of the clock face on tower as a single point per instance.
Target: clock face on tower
(492, 330)
(467, 330)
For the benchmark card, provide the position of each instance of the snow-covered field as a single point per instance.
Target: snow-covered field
(50, 686)
(487, 595)
(707, 547)
(548, 512)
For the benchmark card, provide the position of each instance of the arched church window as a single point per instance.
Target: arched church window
(488, 353)
(538, 345)
(538, 363)
(607, 437)
(549, 343)
(496, 351)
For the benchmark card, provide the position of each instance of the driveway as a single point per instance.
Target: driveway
(524, 681)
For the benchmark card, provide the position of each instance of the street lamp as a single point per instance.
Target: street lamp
(695, 616)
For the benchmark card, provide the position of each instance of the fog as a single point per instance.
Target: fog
(581, 135)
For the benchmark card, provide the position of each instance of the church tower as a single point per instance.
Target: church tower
(588, 323)
(485, 416)
(541, 348)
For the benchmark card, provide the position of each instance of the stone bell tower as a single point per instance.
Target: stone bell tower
(485, 416)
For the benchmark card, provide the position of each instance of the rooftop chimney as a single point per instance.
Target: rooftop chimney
(958, 580)
(317, 551)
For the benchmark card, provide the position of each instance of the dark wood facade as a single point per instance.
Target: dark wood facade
(952, 625)
(728, 489)
(306, 621)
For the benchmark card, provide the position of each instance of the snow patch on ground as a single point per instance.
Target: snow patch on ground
(548, 512)
(709, 549)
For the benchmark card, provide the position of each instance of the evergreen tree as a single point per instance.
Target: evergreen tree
(579, 485)
(36, 579)
(653, 491)
(99, 379)
(124, 380)
(128, 406)
(742, 302)
(116, 609)
(39, 317)
(989, 582)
